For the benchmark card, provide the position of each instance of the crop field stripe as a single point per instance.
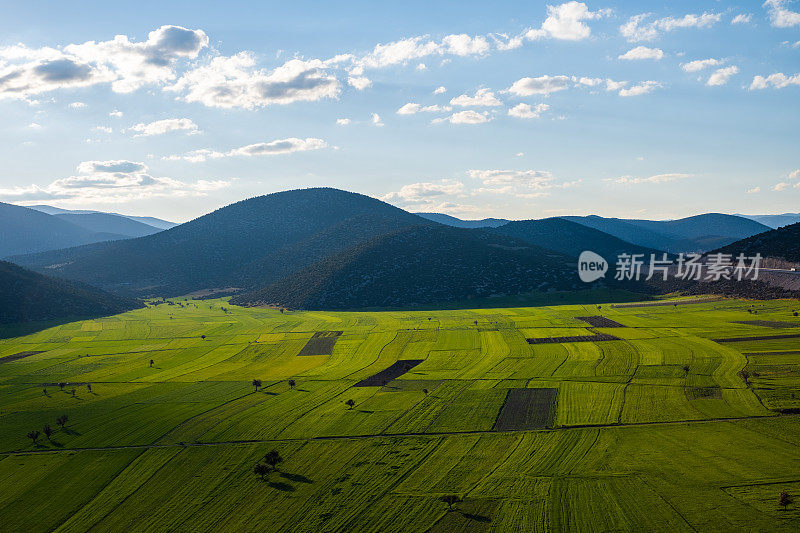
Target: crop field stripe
(391, 373)
(599, 321)
(758, 338)
(598, 337)
(533, 408)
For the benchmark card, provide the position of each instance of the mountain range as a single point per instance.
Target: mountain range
(29, 230)
(330, 249)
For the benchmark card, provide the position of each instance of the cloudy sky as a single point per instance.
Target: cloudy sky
(506, 109)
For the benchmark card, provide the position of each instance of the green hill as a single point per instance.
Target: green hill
(420, 265)
(782, 243)
(570, 238)
(251, 242)
(27, 296)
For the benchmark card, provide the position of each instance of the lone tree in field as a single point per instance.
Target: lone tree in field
(450, 500)
(89, 387)
(425, 392)
(152, 363)
(261, 470)
(47, 430)
(72, 392)
(785, 500)
(62, 421)
(292, 383)
(34, 436)
(203, 336)
(257, 384)
(62, 385)
(272, 458)
(350, 403)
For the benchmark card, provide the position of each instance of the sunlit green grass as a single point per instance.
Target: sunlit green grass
(656, 431)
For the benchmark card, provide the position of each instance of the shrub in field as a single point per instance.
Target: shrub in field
(273, 459)
(350, 403)
(47, 430)
(62, 421)
(257, 384)
(784, 500)
(450, 500)
(260, 469)
(34, 436)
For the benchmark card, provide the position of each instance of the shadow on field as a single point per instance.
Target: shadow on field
(280, 485)
(476, 517)
(69, 431)
(297, 478)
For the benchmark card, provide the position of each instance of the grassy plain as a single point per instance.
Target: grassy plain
(656, 431)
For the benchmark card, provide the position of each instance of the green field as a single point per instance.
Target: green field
(657, 430)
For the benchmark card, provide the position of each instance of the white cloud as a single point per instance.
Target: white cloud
(422, 66)
(465, 117)
(566, 22)
(277, 147)
(424, 192)
(104, 129)
(235, 82)
(779, 80)
(640, 88)
(414, 48)
(343, 121)
(35, 126)
(116, 114)
(541, 85)
(590, 82)
(376, 120)
(658, 178)
(742, 19)
(409, 109)
(722, 75)
(440, 90)
(526, 111)
(482, 98)
(700, 64)
(111, 182)
(126, 65)
(754, 190)
(782, 186)
(359, 82)
(636, 30)
(794, 174)
(642, 52)
(521, 183)
(77, 105)
(779, 16)
(612, 85)
(160, 127)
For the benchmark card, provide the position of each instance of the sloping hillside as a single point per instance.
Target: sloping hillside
(24, 230)
(27, 296)
(420, 265)
(782, 243)
(237, 243)
(570, 238)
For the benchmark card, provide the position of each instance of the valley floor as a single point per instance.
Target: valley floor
(649, 426)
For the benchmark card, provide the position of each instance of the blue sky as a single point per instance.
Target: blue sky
(630, 109)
